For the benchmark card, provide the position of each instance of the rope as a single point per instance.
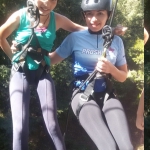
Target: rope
(108, 37)
(33, 14)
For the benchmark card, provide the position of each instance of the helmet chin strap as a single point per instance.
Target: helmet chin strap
(95, 32)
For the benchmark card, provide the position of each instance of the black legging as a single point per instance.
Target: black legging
(91, 119)
(20, 99)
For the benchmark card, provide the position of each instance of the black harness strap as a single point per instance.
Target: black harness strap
(38, 56)
(24, 49)
(85, 96)
(109, 89)
(21, 56)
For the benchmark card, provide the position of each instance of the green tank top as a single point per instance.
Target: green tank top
(45, 39)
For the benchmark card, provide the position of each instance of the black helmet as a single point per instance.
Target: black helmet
(96, 5)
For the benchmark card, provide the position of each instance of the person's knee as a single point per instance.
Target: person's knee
(52, 126)
(20, 130)
(126, 146)
(17, 130)
(89, 112)
(112, 104)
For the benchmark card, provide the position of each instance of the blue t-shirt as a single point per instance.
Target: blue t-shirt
(86, 51)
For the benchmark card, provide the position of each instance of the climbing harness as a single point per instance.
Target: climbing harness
(35, 52)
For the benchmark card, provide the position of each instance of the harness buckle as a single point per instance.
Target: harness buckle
(47, 70)
(84, 98)
(16, 66)
(43, 63)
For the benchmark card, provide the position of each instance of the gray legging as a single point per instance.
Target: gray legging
(20, 98)
(105, 137)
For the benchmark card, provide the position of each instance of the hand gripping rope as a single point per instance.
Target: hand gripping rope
(108, 37)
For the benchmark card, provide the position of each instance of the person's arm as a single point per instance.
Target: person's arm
(119, 30)
(55, 58)
(140, 110)
(6, 29)
(146, 36)
(140, 113)
(66, 24)
(118, 73)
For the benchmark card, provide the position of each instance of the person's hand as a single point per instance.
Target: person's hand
(119, 30)
(104, 65)
(140, 122)
(14, 48)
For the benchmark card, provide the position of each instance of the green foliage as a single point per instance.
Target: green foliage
(62, 75)
(147, 76)
(5, 115)
(136, 54)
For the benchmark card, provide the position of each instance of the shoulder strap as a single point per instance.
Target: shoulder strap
(24, 48)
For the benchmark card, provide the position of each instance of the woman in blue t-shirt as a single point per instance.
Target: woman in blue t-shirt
(96, 107)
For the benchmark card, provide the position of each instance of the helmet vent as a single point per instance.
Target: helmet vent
(96, 1)
(87, 1)
(88, 5)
